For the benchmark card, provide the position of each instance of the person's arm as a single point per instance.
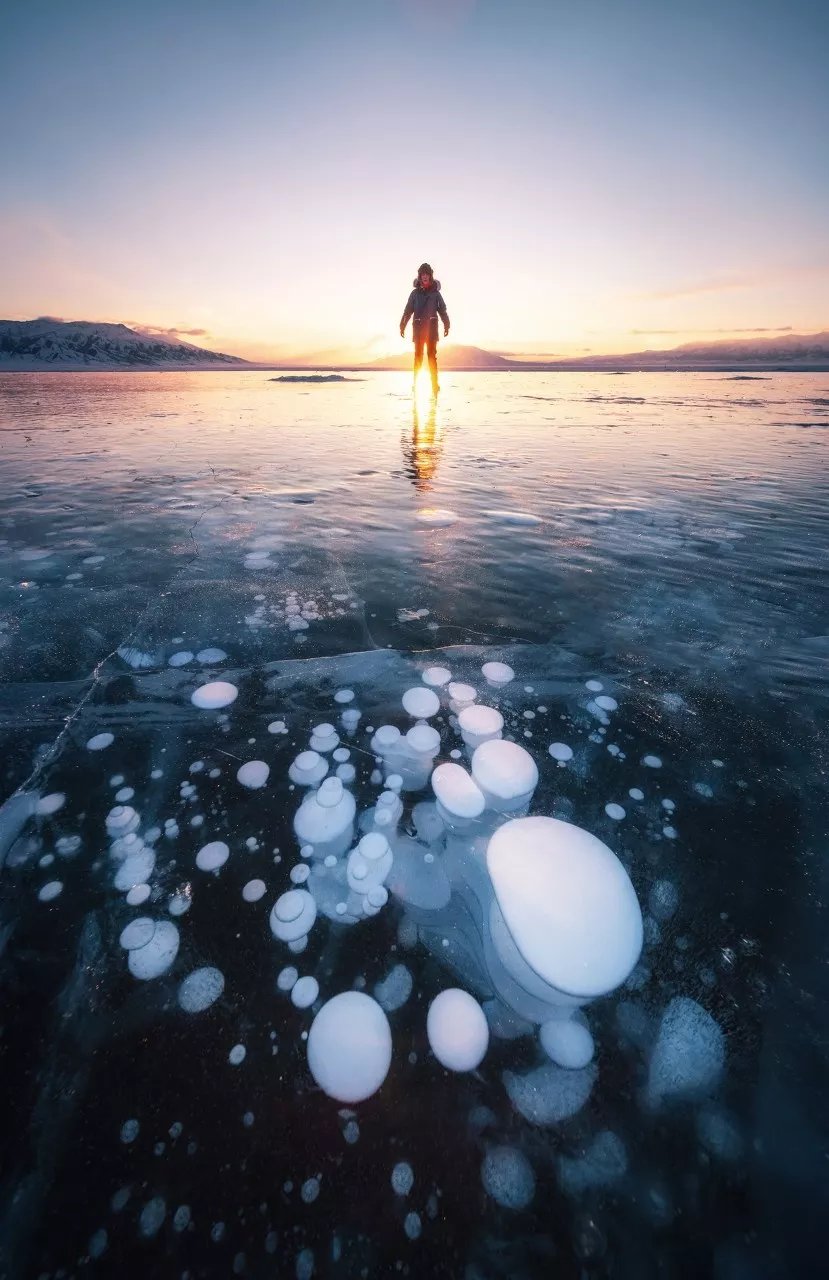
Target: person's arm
(444, 314)
(407, 313)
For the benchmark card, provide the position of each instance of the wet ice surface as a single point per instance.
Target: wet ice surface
(645, 554)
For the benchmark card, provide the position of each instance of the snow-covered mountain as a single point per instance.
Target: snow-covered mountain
(47, 343)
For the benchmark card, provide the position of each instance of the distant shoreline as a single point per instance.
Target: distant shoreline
(356, 368)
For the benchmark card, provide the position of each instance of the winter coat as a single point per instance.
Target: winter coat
(425, 305)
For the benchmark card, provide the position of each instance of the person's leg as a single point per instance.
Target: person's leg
(432, 351)
(418, 355)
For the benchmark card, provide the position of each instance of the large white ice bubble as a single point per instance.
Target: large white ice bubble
(308, 769)
(458, 795)
(325, 815)
(135, 869)
(292, 915)
(349, 1047)
(480, 724)
(212, 856)
(436, 677)
(457, 1029)
(689, 1053)
(253, 774)
(219, 693)
(158, 953)
(497, 673)
(506, 773)
(568, 904)
(421, 703)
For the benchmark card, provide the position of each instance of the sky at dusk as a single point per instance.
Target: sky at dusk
(591, 177)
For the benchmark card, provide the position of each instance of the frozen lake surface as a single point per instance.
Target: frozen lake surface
(221, 1045)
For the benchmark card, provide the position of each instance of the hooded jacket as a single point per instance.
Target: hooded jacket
(425, 305)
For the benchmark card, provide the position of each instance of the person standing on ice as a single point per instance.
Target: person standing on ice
(425, 304)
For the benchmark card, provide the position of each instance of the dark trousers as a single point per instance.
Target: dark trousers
(426, 339)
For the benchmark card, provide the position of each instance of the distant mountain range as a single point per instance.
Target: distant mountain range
(48, 343)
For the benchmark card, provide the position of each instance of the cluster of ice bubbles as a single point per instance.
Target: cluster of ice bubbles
(535, 915)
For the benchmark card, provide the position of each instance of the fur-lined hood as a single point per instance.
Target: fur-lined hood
(434, 285)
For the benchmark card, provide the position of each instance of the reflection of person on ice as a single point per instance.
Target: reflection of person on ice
(425, 305)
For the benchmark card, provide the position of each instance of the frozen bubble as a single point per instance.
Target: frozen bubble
(200, 989)
(304, 992)
(253, 774)
(652, 762)
(412, 1225)
(424, 739)
(394, 990)
(304, 1265)
(462, 694)
(689, 1053)
(129, 1131)
(614, 811)
(135, 869)
(560, 751)
(603, 1163)
(137, 933)
(277, 726)
(457, 1029)
(436, 517)
(125, 794)
(180, 902)
(340, 754)
(300, 873)
(308, 769)
(310, 1190)
(254, 890)
(98, 1243)
(325, 815)
(138, 894)
(344, 695)
(567, 1042)
(606, 702)
(436, 677)
(208, 656)
(457, 792)
(719, 1134)
(478, 724)
(181, 1218)
(100, 741)
(549, 1094)
(568, 904)
(503, 769)
(636, 793)
(421, 703)
(498, 673)
(237, 1055)
(286, 978)
(219, 693)
(402, 1178)
(292, 915)
(180, 659)
(595, 686)
(508, 1177)
(346, 772)
(663, 900)
(152, 1217)
(324, 738)
(212, 856)
(349, 1047)
(50, 891)
(157, 956)
(51, 803)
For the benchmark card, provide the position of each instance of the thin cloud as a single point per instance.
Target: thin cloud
(168, 333)
(786, 328)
